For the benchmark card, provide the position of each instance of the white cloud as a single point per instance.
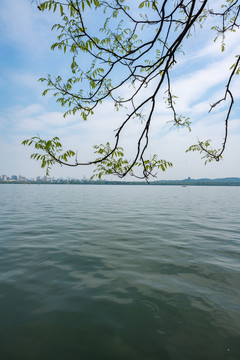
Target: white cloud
(193, 86)
(213, 48)
(30, 110)
(25, 79)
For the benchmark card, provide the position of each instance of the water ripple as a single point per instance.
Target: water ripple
(93, 272)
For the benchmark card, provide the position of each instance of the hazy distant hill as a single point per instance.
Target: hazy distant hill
(229, 181)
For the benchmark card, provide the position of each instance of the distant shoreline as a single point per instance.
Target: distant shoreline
(183, 183)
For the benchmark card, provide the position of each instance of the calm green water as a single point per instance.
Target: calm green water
(119, 272)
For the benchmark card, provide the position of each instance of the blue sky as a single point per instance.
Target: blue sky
(199, 79)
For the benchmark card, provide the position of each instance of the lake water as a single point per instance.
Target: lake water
(119, 272)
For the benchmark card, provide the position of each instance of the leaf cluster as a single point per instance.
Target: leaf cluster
(204, 148)
(115, 163)
(49, 152)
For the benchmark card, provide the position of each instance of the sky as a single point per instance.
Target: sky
(199, 79)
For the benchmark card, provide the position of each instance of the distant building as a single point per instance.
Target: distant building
(84, 179)
(4, 177)
(22, 178)
(14, 177)
(46, 178)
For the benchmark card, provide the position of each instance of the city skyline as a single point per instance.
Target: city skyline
(5, 177)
